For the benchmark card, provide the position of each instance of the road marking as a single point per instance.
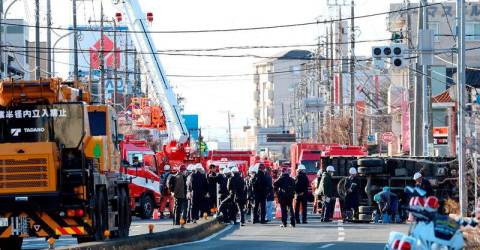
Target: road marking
(198, 241)
(326, 246)
(341, 231)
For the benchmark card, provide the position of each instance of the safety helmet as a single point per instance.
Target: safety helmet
(330, 169)
(352, 170)
(255, 168)
(235, 170)
(417, 175)
(386, 189)
(166, 168)
(301, 167)
(226, 171)
(199, 167)
(231, 165)
(190, 168)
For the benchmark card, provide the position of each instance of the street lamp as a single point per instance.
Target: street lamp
(53, 50)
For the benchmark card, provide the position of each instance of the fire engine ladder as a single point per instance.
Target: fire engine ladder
(157, 79)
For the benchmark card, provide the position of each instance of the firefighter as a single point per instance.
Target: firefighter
(249, 191)
(178, 187)
(301, 194)
(226, 205)
(236, 188)
(423, 183)
(352, 194)
(270, 195)
(197, 188)
(212, 188)
(316, 191)
(326, 190)
(285, 189)
(221, 179)
(259, 184)
(166, 196)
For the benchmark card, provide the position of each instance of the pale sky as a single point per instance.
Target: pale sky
(210, 97)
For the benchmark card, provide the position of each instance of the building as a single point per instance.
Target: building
(17, 49)
(274, 80)
(441, 20)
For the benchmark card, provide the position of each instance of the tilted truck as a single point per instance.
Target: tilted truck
(59, 165)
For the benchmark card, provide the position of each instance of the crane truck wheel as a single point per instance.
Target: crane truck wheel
(124, 214)
(100, 219)
(11, 243)
(146, 207)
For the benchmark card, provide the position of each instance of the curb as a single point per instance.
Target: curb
(147, 241)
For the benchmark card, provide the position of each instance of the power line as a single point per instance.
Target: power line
(238, 29)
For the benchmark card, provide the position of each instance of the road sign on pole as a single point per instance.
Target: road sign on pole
(388, 137)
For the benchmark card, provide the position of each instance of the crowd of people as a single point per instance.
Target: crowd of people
(192, 193)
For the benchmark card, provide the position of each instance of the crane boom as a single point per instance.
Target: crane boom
(158, 81)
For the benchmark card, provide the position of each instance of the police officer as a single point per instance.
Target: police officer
(212, 188)
(326, 190)
(226, 205)
(236, 188)
(259, 184)
(197, 186)
(352, 193)
(301, 192)
(177, 185)
(285, 189)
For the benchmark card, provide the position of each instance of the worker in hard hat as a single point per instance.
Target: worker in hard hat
(197, 187)
(284, 188)
(316, 192)
(301, 194)
(249, 188)
(259, 184)
(387, 204)
(212, 188)
(352, 197)
(423, 183)
(326, 190)
(225, 205)
(166, 197)
(236, 188)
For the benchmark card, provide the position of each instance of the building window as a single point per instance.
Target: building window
(472, 31)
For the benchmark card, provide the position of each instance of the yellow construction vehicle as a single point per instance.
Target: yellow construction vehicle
(59, 164)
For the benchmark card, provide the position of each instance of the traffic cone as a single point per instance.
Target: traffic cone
(337, 213)
(155, 214)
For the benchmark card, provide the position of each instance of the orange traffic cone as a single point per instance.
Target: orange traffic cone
(337, 213)
(155, 214)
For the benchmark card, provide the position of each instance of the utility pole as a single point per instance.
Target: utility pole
(75, 40)
(229, 131)
(425, 95)
(463, 189)
(136, 73)
(49, 39)
(2, 30)
(115, 62)
(340, 61)
(37, 40)
(101, 57)
(125, 82)
(352, 73)
(332, 75)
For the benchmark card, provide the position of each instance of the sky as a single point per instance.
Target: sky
(212, 97)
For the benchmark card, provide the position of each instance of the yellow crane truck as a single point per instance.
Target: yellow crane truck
(59, 165)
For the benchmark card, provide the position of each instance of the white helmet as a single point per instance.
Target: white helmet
(226, 171)
(190, 168)
(301, 167)
(166, 168)
(199, 167)
(235, 170)
(417, 175)
(330, 169)
(231, 165)
(255, 168)
(352, 170)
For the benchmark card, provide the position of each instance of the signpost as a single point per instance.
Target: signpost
(388, 137)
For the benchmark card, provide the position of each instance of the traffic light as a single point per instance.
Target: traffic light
(395, 52)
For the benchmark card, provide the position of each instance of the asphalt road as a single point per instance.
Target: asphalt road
(314, 235)
(138, 227)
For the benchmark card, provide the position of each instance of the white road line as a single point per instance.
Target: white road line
(198, 241)
(341, 233)
(341, 239)
(341, 229)
(326, 246)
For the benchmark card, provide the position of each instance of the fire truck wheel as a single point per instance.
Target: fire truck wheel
(101, 216)
(370, 170)
(147, 206)
(365, 217)
(11, 243)
(365, 209)
(124, 214)
(371, 162)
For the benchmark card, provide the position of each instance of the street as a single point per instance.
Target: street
(314, 235)
(138, 227)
